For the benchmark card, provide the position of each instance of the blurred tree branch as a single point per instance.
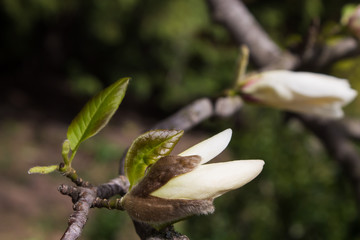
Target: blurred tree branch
(323, 56)
(343, 151)
(245, 29)
(189, 116)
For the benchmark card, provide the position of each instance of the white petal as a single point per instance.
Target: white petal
(211, 147)
(315, 84)
(303, 92)
(210, 180)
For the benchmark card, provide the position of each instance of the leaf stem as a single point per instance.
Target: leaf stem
(73, 153)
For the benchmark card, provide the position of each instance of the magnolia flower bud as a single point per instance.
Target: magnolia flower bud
(176, 187)
(303, 92)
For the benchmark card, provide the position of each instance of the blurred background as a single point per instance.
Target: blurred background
(54, 55)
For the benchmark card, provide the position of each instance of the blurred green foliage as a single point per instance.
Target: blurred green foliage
(170, 48)
(175, 53)
(301, 193)
(108, 225)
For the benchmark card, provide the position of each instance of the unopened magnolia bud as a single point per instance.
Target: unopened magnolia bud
(176, 187)
(143, 207)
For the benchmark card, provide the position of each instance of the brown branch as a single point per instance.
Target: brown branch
(199, 111)
(70, 191)
(79, 217)
(189, 116)
(117, 186)
(84, 198)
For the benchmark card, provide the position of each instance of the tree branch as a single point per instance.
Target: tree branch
(79, 217)
(189, 116)
(199, 111)
(84, 198)
(117, 186)
(246, 30)
(330, 133)
(323, 56)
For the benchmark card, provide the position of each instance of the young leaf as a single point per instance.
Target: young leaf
(96, 113)
(43, 169)
(147, 149)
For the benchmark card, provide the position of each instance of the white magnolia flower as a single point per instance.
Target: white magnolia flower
(210, 180)
(303, 92)
(176, 187)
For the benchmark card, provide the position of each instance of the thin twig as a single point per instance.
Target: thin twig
(70, 173)
(79, 217)
(84, 198)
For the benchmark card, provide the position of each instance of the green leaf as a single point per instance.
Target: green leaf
(43, 169)
(147, 149)
(96, 113)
